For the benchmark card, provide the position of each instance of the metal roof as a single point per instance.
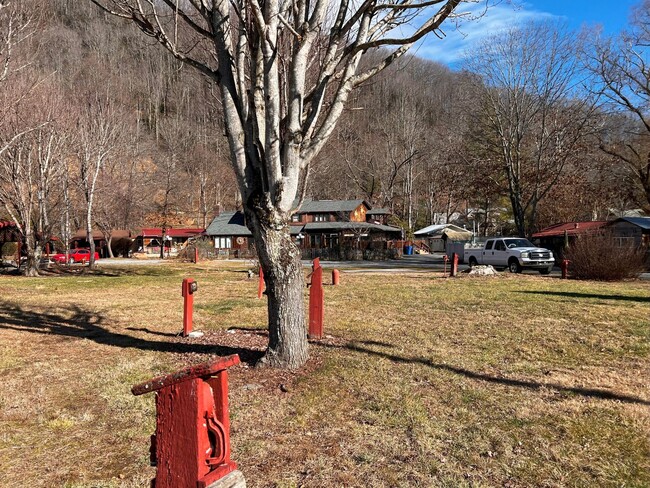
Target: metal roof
(327, 206)
(378, 211)
(643, 222)
(440, 229)
(571, 228)
(359, 226)
(228, 224)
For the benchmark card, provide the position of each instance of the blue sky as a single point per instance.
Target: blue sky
(612, 16)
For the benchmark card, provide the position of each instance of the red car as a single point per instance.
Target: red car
(75, 256)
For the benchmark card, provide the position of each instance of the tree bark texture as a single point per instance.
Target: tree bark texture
(280, 261)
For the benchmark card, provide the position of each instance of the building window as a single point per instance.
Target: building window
(222, 242)
(295, 218)
(331, 241)
(321, 218)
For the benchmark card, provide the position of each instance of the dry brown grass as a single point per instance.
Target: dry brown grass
(424, 381)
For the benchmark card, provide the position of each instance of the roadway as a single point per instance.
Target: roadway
(417, 263)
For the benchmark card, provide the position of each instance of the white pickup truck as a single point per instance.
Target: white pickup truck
(513, 253)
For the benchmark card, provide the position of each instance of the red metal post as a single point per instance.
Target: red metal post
(192, 440)
(196, 254)
(454, 264)
(565, 268)
(260, 286)
(316, 302)
(187, 291)
(335, 277)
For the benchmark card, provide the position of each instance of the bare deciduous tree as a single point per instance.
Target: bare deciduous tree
(98, 132)
(28, 171)
(286, 71)
(622, 67)
(534, 117)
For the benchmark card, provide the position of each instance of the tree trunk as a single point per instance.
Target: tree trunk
(109, 243)
(280, 261)
(33, 252)
(163, 230)
(91, 244)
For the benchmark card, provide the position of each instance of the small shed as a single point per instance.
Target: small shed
(438, 235)
(631, 230)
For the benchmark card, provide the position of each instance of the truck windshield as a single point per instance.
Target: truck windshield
(518, 243)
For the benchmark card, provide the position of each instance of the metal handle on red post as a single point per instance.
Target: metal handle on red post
(193, 402)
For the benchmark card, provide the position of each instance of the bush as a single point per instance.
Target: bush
(603, 258)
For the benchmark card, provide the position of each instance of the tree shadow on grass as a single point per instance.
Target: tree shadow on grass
(572, 294)
(83, 324)
(153, 332)
(532, 385)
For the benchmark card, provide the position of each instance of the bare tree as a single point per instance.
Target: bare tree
(98, 135)
(622, 67)
(534, 114)
(286, 71)
(28, 141)
(28, 170)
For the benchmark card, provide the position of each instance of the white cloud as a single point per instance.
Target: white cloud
(459, 40)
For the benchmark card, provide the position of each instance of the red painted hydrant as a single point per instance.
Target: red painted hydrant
(336, 277)
(454, 264)
(565, 268)
(191, 446)
(316, 302)
(188, 289)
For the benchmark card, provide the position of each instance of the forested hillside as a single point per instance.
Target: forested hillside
(101, 125)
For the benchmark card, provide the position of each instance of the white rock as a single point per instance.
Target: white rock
(482, 271)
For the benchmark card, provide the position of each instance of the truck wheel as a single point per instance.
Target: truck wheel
(472, 262)
(545, 271)
(513, 266)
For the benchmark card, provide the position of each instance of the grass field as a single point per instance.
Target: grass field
(513, 381)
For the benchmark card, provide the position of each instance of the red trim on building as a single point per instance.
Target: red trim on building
(570, 228)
